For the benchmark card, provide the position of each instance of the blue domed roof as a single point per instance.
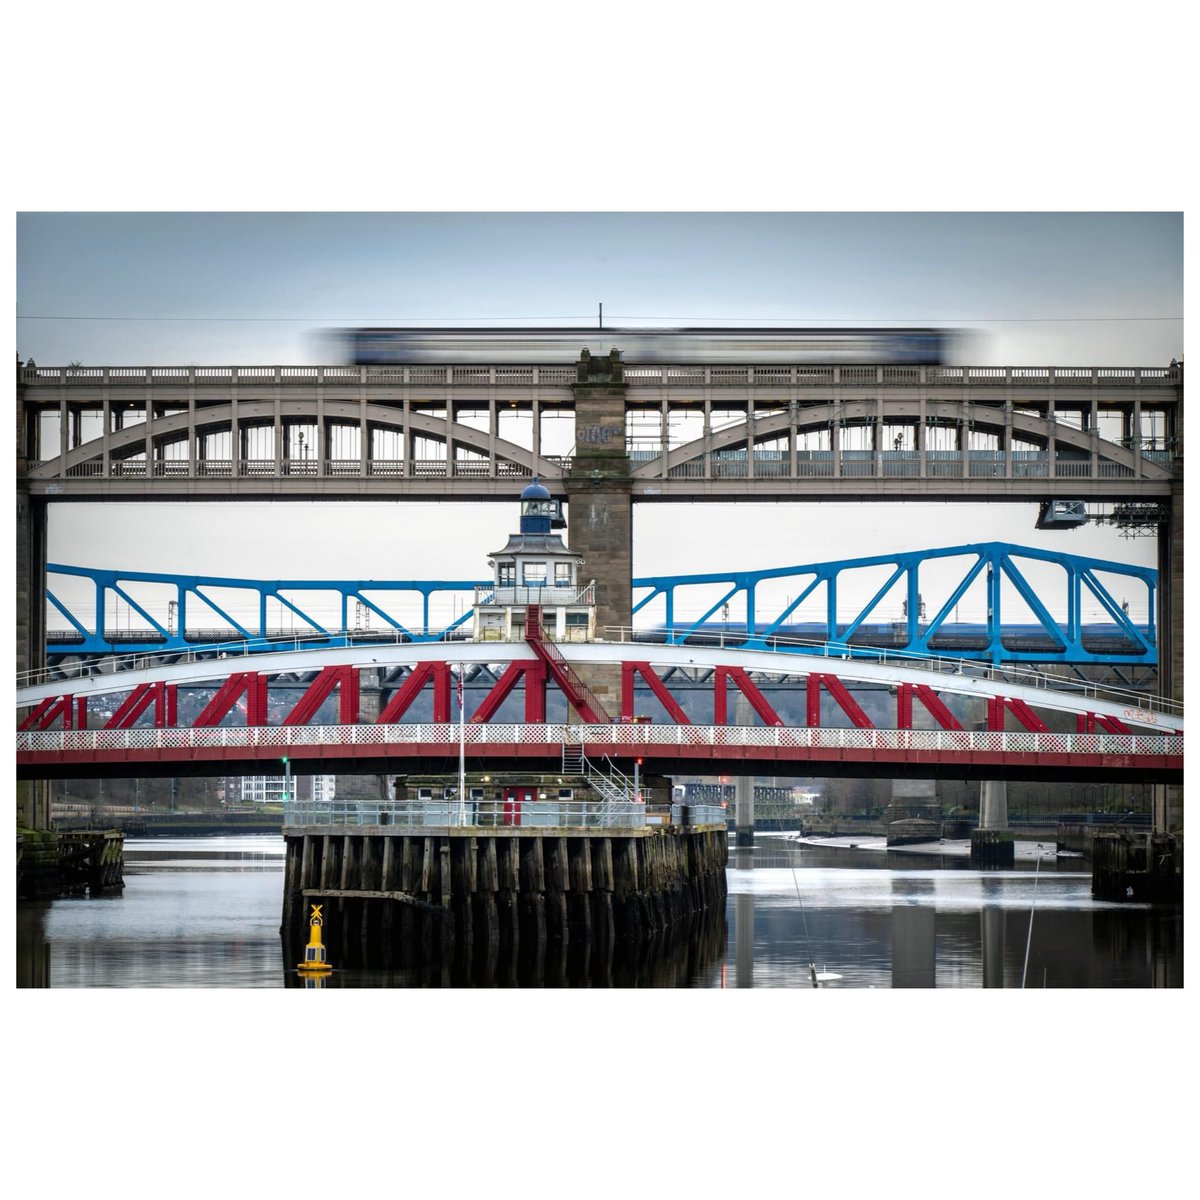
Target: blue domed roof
(535, 491)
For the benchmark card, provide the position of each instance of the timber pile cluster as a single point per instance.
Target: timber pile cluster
(1145, 867)
(52, 863)
(394, 898)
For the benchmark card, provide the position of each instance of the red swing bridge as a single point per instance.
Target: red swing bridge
(523, 705)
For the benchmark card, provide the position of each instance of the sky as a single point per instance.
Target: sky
(1064, 289)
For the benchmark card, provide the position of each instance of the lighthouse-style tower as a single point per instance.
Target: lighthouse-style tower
(536, 568)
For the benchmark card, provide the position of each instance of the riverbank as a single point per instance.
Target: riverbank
(1029, 851)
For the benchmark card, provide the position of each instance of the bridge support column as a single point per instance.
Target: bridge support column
(743, 800)
(33, 796)
(600, 508)
(370, 704)
(1167, 799)
(993, 804)
(992, 842)
(914, 814)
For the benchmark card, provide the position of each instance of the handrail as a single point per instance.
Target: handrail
(679, 375)
(551, 814)
(581, 697)
(967, 667)
(630, 739)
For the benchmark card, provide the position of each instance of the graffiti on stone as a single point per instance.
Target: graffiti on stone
(594, 434)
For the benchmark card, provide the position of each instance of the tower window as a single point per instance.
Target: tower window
(507, 576)
(562, 574)
(535, 574)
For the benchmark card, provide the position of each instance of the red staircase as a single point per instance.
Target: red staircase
(578, 694)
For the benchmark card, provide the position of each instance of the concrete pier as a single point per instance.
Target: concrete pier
(401, 897)
(992, 843)
(743, 809)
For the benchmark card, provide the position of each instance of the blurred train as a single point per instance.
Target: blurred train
(560, 346)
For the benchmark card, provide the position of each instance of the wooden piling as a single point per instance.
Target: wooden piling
(498, 894)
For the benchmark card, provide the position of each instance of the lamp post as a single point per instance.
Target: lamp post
(462, 747)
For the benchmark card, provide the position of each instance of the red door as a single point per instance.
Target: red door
(514, 797)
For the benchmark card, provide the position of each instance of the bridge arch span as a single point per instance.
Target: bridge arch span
(179, 428)
(1038, 431)
(960, 678)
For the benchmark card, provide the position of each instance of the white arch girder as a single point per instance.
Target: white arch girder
(973, 681)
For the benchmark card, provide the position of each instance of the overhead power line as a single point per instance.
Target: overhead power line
(713, 320)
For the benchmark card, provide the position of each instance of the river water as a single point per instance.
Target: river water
(205, 913)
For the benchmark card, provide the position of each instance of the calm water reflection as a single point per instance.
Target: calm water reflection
(205, 912)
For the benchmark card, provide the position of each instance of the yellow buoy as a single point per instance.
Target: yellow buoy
(314, 962)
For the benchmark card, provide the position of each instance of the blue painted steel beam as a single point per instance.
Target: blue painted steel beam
(995, 561)
(999, 560)
(97, 639)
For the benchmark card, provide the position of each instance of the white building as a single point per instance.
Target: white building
(269, 789)
(535, 567)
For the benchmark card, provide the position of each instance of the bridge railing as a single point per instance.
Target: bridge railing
(482, 814)
(635, 376)
(208, 652)
(964, 667)
(599, 739)
(698, 814)
(1143, 707)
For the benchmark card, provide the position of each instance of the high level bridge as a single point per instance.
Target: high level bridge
(714, 415)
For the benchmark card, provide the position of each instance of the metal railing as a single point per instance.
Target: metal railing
(602, 739)
(732, 464)
(550, 593)
(635, 375)
(1139, 701)
(698, 814)
(478, 814)
(966, 667)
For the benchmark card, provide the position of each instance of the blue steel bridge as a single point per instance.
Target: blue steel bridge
(1041, 607)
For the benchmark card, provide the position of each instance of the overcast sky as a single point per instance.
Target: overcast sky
(1069, 289)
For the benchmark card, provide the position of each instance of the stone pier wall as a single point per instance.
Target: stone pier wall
(395, 898)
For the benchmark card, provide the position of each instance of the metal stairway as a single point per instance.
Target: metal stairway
(613, 788)
(578, 694)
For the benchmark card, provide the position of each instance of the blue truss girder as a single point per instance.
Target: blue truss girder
(97, 639)
(997, 559)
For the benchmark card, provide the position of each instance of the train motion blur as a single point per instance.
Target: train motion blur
(701, 346)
